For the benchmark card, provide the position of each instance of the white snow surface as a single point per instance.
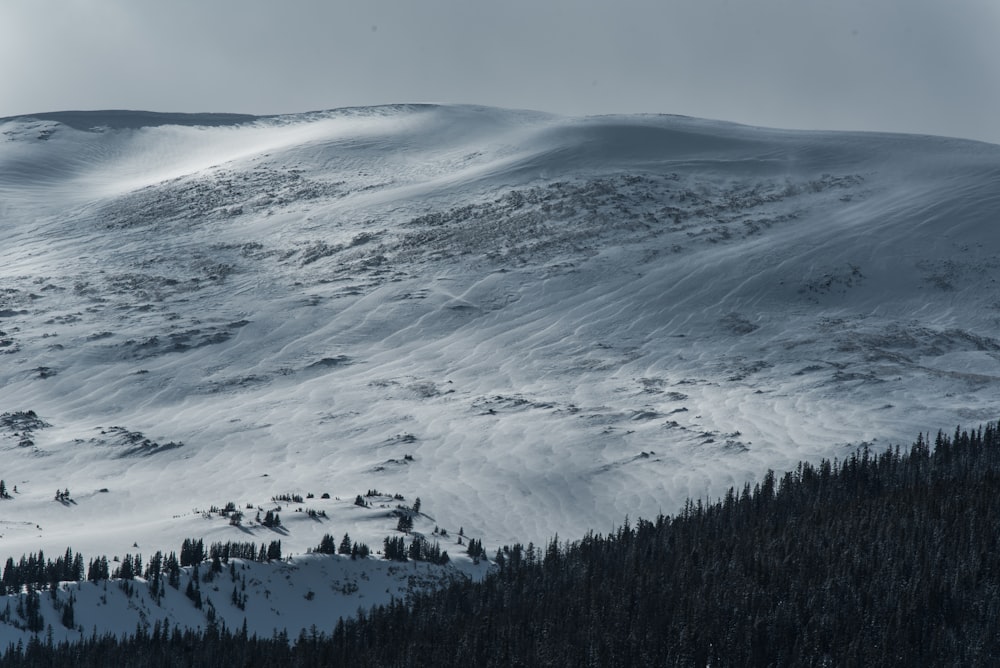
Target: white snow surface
(536, 324)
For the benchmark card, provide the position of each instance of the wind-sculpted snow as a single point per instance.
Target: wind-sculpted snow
(538, 325)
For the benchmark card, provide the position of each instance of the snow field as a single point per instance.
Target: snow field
(538, 325)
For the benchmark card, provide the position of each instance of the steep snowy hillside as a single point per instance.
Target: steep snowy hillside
(535, 324)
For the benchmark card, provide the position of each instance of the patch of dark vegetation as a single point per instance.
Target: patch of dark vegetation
(746, 369)
(424, 389)
(888, 349)
(836, 280)
(540, 223)
(330, 362)
(501, 402)
(320, 249)
(573, 215)
(407, 459)
(196, 338)
(652, 385)
(234, 384)
(221, 194)
(133, 443)
(22, 422)
(7, 344)
(738, 324)
(180, 341)
(22, 425)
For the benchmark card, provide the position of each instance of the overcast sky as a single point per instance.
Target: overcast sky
(926, 66)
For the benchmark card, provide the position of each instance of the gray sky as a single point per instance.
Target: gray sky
(926, 66)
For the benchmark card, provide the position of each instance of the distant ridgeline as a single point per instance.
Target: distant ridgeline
(887, 558)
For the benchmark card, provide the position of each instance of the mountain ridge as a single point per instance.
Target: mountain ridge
(536, 324)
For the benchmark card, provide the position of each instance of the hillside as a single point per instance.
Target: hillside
(536, 324)
(885, 559)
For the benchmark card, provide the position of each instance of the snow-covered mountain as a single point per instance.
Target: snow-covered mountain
(535, 324)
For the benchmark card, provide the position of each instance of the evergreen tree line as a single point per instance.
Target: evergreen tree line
(247, 551)
(882, 559)
(420, 549)
(879, 560)
(29, 611)
(34, 571)
(328, 545)
(193, 551)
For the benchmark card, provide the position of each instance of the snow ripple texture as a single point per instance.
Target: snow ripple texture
(536, 324)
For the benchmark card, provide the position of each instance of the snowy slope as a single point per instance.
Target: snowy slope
(536, 324)
(308, 594)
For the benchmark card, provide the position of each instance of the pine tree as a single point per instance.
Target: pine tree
(327, 545)
(77, 568)
(68, 619)
(33, 612)
(125, 571)
(173, 569)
